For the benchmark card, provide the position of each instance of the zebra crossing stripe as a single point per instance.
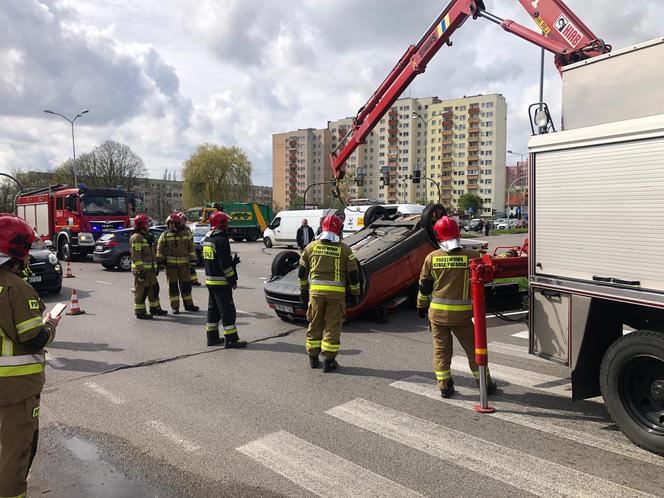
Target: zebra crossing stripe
(516, 468)
(318, 470)
(521, 335)
(513, 350)
(542, 420)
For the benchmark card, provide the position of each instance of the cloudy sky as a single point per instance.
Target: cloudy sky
(165, 75)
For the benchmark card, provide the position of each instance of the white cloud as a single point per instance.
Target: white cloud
(162, 76)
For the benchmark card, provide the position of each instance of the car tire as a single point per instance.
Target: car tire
(632, 385)
(374, 213)
(252, 237)
(431, 214)
(284, 262)
(238, 239)
(64, 250)
(268, 242)
(124, 262)
(57, 290)
(107, 266)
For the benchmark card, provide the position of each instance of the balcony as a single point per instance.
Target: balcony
(446, 142)
(448, 123)
(474, 122)
(292, 144)
(447, 133)
(472, 174)
(474, 129)
(472, 186)
(391, 157)
(393, 113)
(474, 157)
(473, 149)
(446, 160)
(448, 115)
(392, 149)
(392, 123)
(392, 139)
(474, 111)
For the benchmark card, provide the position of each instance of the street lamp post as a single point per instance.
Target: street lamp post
(520, 154)
(510, 188)
(425, 122)
(73, 144)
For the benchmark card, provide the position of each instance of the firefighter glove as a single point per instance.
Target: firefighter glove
(422, 312)
(304, 295)
(352, 300)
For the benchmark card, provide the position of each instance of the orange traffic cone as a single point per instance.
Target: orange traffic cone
(68, 273)
(74, 308)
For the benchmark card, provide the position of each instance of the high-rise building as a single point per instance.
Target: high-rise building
(301, 159)
(516, 185)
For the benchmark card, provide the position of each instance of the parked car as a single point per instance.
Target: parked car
(199, 231)
(390, 251)
(46, 270)
(112, 249)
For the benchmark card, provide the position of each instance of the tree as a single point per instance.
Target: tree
(296, 203)
(110, 165)
(470, 201)
(216, 174)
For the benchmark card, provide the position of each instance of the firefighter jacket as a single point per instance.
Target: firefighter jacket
(176, 248)
(445, 286)
(219, 266)
(21, 367)
(143, 256)
(327, 268)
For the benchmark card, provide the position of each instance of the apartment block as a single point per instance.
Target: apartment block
(299, 159)
(261, 195)
(466, 147)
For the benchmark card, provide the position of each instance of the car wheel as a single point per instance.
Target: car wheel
(430, 216)
(238, 239)
(632, 384)
(268, 242)
(57, 289)
(374, 213)
(285, 262)
(252, 237)
(124, 262)
(64, 250)
(107, 266)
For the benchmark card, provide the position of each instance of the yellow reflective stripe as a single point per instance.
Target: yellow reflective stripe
(351, 257)
(443, 375)
(212, 327)
(452, 307)
(333, 288)
(446, 262)
(330, 348)
(228, 330)
(303, 282)
(216, 282)
(481, 351)
(21, 370)
(139, 306)
(313, 344)
(355, 287)
(337, 270)
(28, 325)
(422, 296)
(476, 373)
(229, 273)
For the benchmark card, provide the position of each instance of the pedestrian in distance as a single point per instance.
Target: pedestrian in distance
(444, 296)
(145, 268)
(305, 234)
(24, 334)
(328, 275)
(221, 280)
(175, 251)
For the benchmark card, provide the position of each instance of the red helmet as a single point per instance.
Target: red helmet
(173, 218)
(446, 229)
(182, 218)
(333, 223)
(16, 237)
(141, 221)
(219, 220)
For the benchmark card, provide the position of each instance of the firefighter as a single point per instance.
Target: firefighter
(444, 290)
(221, 280)
(23, 335)
(192, 265)
(175, 250)
(144, 267)
(327, 272)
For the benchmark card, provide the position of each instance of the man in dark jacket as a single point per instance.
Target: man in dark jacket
(305, 234)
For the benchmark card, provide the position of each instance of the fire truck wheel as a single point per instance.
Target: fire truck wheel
(64, 248)
(284, 262)
(268, 242)
(632, 383)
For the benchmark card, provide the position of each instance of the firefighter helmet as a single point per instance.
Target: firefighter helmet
(181, 218)
(141, 221)
(16, 238)
(333, 223)
(173, 218)
(219, 220)
(446, 229)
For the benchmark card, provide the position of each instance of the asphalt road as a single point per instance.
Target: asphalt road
(138, 409)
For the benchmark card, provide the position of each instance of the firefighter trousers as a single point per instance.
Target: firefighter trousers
(326, 316)
(179, 282)
(146, 289)
(441, 334)
(19, 432)
(221, 307)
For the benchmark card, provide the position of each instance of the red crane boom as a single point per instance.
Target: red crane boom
(563, 34)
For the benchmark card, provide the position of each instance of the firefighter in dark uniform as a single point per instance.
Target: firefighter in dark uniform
(175, 250)
(221, 280)
(145, 269)
(444, 290)
(23, 335)
(327, 273)
(192, 265)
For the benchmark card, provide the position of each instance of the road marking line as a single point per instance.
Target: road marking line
(55, 363)
(116, 400)
(318, 470)
(243, 312)
(520, 377)
(262, 278)
(513, 350)
(513, 467)
(103, 282)
(176, 438)
(521, 335)
(539, 419)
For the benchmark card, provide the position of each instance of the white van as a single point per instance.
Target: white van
(354, 215)
(283, 229)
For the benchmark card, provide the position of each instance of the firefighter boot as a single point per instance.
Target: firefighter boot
(144, 316)
(158, 312)
(213, 338)
(236, 344)
(314, 362)
(448, 391)
(330, 366)
(191, 307)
